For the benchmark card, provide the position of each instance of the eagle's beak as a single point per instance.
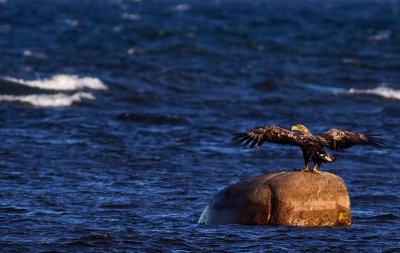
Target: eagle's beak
(295, 128)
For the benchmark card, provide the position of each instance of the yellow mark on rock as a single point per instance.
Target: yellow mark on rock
(343, 218)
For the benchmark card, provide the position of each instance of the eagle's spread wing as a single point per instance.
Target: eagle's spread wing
(337, 140)
(272, 134)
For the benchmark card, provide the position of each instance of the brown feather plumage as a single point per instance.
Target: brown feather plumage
(272, 134)
(311, 146)
(337, 139)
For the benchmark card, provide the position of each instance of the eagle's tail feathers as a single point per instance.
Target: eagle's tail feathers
(327, 158)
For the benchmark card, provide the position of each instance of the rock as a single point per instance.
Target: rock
(293, 198)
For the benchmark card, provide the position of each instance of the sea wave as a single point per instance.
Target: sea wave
(48, 100)
(63, 82)
(57, 91)
(381, 91)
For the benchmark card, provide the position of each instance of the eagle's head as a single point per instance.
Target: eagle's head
(302, 129)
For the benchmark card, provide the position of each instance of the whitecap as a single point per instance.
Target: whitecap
(380, 35)
(381, 91)
(181, 7)
(131, 16)
(48, 100)
(64, 82)
(29, 53)
(134, 50)
(71, 22)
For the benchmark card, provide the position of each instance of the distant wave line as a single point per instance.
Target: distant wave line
(380, 91)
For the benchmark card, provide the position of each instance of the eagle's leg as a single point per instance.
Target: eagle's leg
(306, 158)
(306, 168)
(315, 168)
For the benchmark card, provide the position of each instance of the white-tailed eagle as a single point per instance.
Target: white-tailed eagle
(312, 146)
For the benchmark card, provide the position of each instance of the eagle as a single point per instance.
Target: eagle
(311, 145)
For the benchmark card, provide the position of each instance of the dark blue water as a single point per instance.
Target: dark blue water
(116, 119)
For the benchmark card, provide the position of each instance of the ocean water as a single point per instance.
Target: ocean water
(117, 115)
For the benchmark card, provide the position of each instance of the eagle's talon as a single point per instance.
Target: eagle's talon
(305, 169)
(315, 169)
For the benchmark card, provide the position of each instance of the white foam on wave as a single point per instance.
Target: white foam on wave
(381, 91)
(64, 82)
(48, 100)
(68, 87)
